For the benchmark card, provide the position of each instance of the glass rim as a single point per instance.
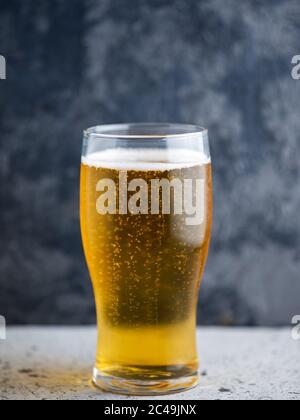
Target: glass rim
(114, 131)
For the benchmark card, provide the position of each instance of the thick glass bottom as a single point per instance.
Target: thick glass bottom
(146, 384)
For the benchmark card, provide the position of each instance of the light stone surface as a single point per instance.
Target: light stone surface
(56, 363)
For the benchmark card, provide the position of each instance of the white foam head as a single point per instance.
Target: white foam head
(145, 159)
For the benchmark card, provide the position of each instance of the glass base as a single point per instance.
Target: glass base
(126, 386)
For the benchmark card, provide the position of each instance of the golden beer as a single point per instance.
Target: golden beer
(146, 215)
(146, 268)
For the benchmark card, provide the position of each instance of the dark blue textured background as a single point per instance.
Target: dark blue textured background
(226, 65)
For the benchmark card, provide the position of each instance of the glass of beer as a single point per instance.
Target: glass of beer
(146, 215)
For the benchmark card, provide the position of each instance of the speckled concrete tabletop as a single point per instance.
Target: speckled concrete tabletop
(56, 363)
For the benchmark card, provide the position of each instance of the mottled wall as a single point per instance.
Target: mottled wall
(226, 65)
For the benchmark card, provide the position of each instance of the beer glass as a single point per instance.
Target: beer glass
(146, 214)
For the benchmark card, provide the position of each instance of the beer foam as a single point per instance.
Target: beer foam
(146, 159)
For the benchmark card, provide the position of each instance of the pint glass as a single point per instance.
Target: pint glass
(146, 214)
